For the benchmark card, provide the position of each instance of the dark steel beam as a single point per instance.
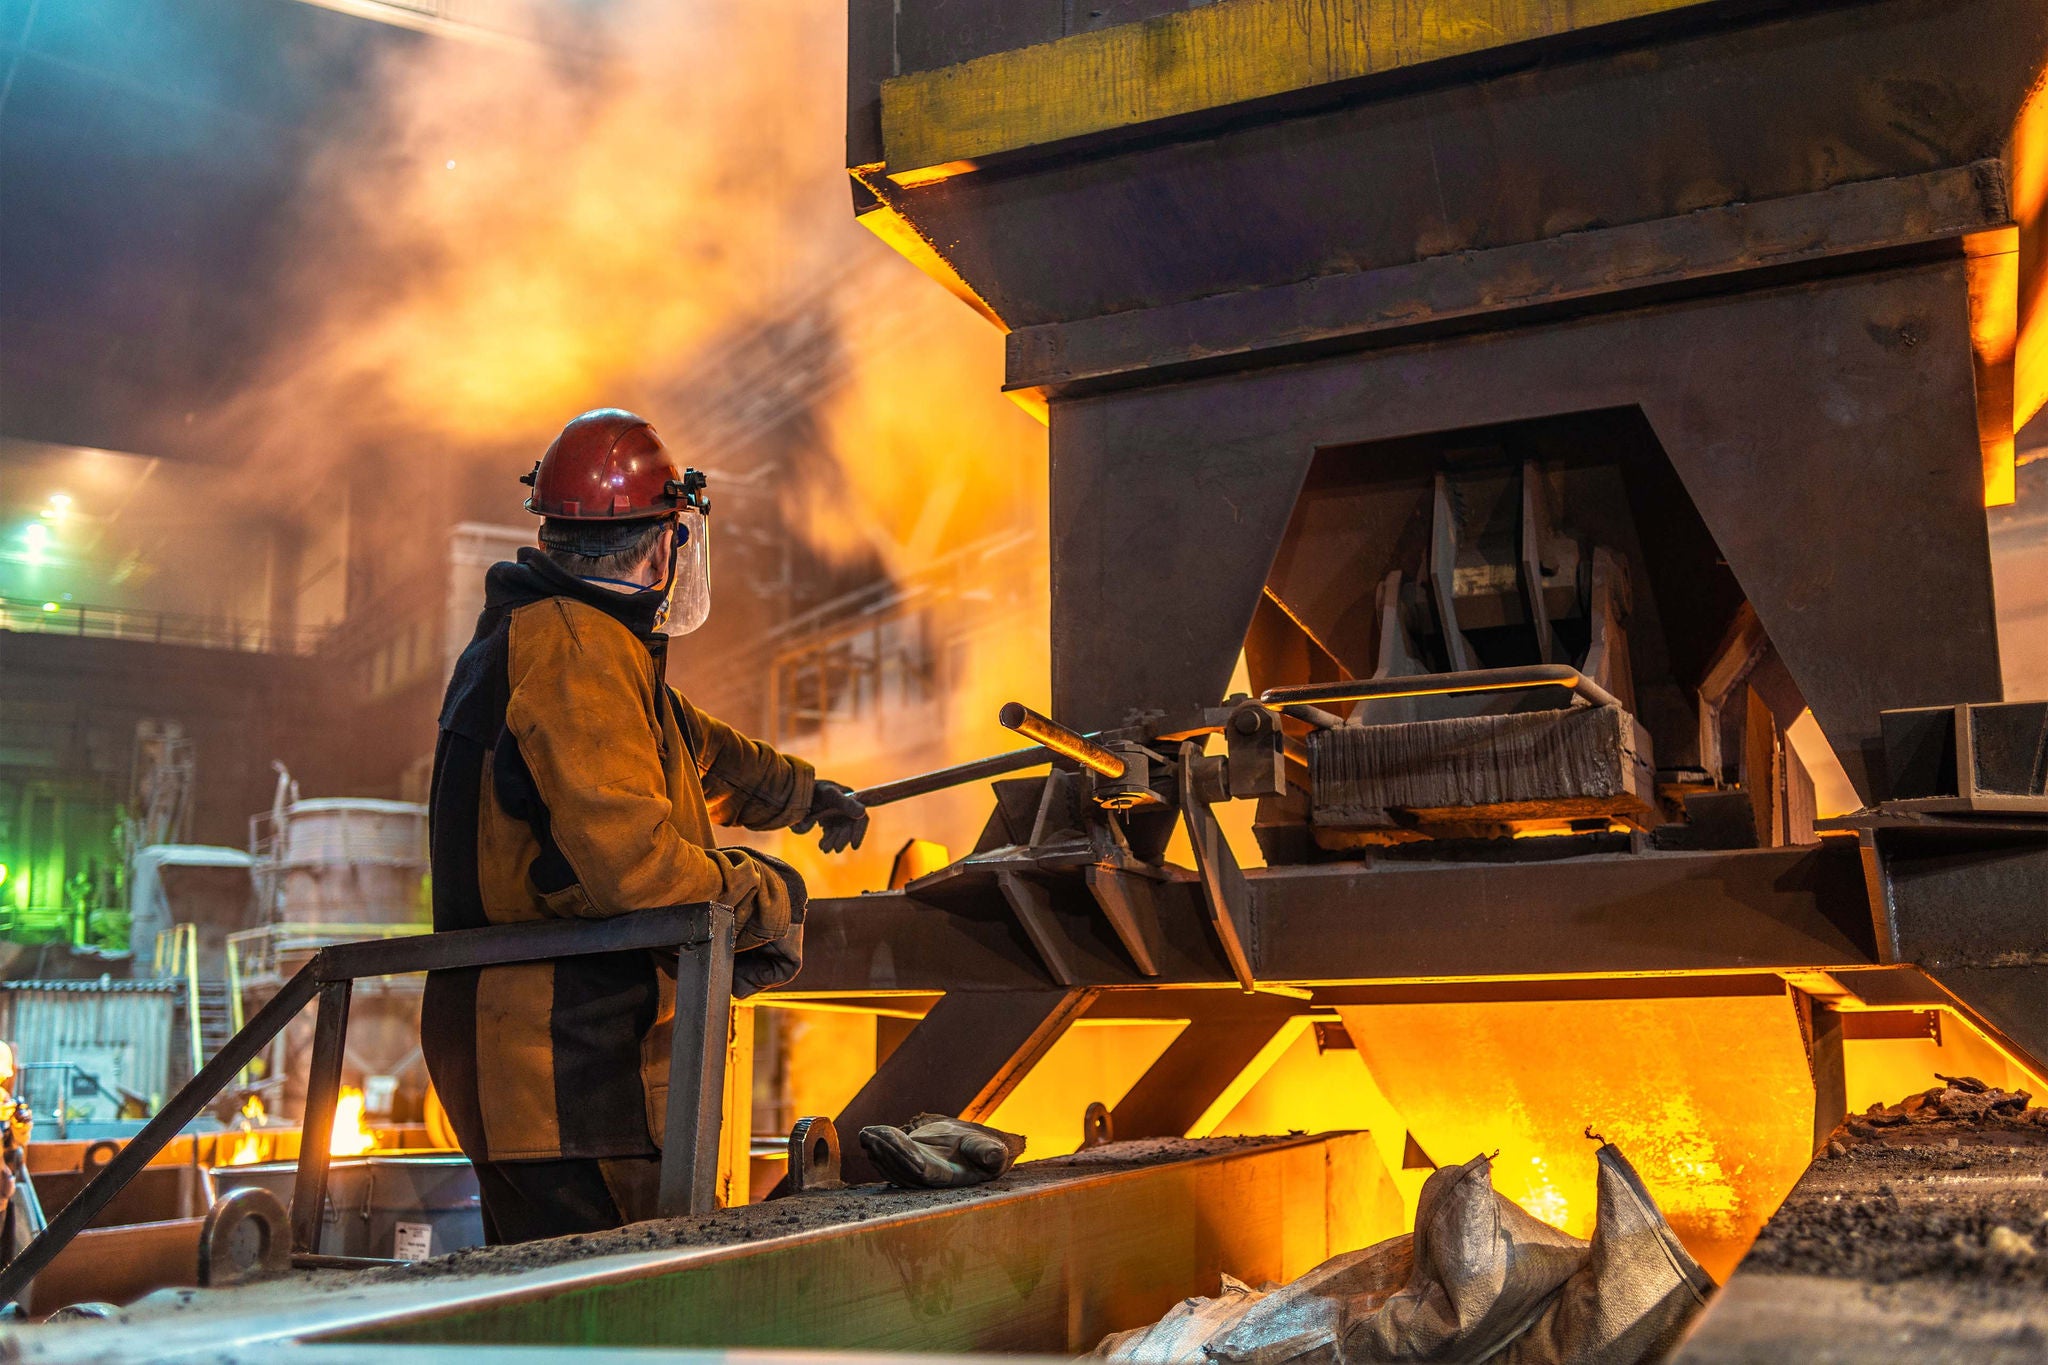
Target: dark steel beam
(1688, 987)
(1824, 1032)
(1225, 1031)
(696, 1073)
(1762, 909)
(1727, 912)
(962, 1059)
(1959, 891)
(895, 942)
(1463, 166)
(669, 926)
(1961, 897)
(1616, 266)
(323, 1092)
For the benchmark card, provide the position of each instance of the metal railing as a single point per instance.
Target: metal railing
(262, 951)
(30, 616)
(177, 955)
(701, 935)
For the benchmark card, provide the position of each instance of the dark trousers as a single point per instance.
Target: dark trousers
(524, 1201)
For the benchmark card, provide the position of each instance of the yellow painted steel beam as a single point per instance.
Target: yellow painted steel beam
(936, 123)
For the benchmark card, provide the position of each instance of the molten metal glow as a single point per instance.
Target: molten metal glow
(1710, 1097)
(2030, 209)
(1886, 1070)
(351, 1136)
(1994, 274)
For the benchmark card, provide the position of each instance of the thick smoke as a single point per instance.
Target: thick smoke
(511, 235)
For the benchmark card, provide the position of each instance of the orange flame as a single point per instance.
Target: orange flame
(351, 1136)
(249, 1146)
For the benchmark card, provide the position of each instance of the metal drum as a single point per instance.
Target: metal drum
(348, 861)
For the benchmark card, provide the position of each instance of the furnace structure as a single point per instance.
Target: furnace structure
(1578, 423)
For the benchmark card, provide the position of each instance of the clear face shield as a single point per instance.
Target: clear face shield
(688, 602)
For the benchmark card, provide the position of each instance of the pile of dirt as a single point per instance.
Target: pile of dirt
(1962, 1107)
(1950, 1184)
(1884, 1214)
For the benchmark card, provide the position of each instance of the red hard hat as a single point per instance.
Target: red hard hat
(608, 465)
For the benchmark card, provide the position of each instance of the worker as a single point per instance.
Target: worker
(570, 781)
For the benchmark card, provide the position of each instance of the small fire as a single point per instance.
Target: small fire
(248, 1148)
(351, 1136)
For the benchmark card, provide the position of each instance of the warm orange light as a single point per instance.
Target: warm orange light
(1994, 281)
(915, 859)
(248, 1148)
(1886, 1070)
(2030, 210)
(351, 1136)
(1709, 1096)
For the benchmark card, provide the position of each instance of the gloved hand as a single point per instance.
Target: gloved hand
(842, 821)
(771, 964)
(934, 1152)
(778, 960)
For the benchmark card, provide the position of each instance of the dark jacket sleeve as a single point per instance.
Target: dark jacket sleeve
(746, 782)
(582, 712)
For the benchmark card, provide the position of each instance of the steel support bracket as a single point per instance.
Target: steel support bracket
(1223, 885)
(1960, 897)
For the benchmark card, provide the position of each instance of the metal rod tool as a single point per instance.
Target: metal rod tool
(1015, 715)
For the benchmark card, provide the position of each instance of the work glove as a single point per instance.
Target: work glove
(841, 820)
(771, 964)
(937, 1153)
(779, 960)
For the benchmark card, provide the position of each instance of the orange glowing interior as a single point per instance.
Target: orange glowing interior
(1710, 1097)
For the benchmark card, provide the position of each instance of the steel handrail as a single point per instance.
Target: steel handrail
(193, 1024)
(237, 1015)
(35, 616)
(184, 961)
(702, 933)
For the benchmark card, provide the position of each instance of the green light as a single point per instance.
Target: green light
(49, 606)
(3, 874)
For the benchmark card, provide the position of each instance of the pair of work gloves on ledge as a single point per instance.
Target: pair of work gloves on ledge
(933, 1152)
(842, 822)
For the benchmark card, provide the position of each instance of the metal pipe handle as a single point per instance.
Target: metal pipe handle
(903, 788)
(1015, 715)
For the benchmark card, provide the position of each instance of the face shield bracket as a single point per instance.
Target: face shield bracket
(688, 492)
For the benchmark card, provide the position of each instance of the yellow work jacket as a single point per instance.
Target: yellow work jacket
(571, 781)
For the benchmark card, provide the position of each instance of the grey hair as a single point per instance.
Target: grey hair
(598, 549)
